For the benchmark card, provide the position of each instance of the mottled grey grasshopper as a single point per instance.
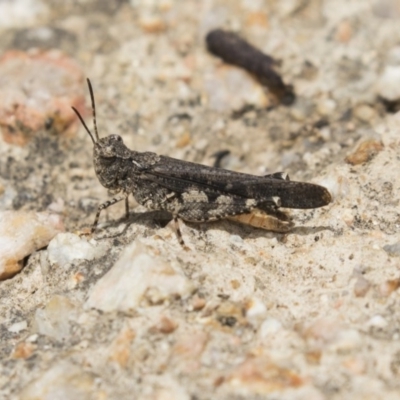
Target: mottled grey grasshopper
(195, 192)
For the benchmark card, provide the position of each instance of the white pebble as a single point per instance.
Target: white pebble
(364, 113)
(270, 326)
(18, 327)
(54, 319)
(138, 276)
(64, 380)
(32, 338)
(66, 247)
(21, 13)
(236, 239)
(377, 321)
(326, 107)
(347, 339)
(388, 85)
(255, 308)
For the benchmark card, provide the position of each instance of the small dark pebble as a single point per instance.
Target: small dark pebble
(393, 249)
(391, 106)
(48, 123)
(321, 123)
(227, 321)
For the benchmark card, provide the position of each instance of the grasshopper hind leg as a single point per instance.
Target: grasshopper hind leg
(275, 221)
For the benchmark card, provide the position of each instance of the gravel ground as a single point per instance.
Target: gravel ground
(240, 313)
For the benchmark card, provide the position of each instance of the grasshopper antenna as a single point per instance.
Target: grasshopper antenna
(93, 108)
(94, 115)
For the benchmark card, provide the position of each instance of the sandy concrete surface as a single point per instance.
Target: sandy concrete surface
(241, 313)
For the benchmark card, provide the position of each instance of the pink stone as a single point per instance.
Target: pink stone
(37, 90)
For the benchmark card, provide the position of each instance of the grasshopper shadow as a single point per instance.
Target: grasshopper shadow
(160, 218)
(148, 219)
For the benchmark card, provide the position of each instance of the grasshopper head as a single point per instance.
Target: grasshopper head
(109, 153)
(108, 147)
(109, 159)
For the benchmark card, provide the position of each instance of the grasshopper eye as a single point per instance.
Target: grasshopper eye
(117, 138)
